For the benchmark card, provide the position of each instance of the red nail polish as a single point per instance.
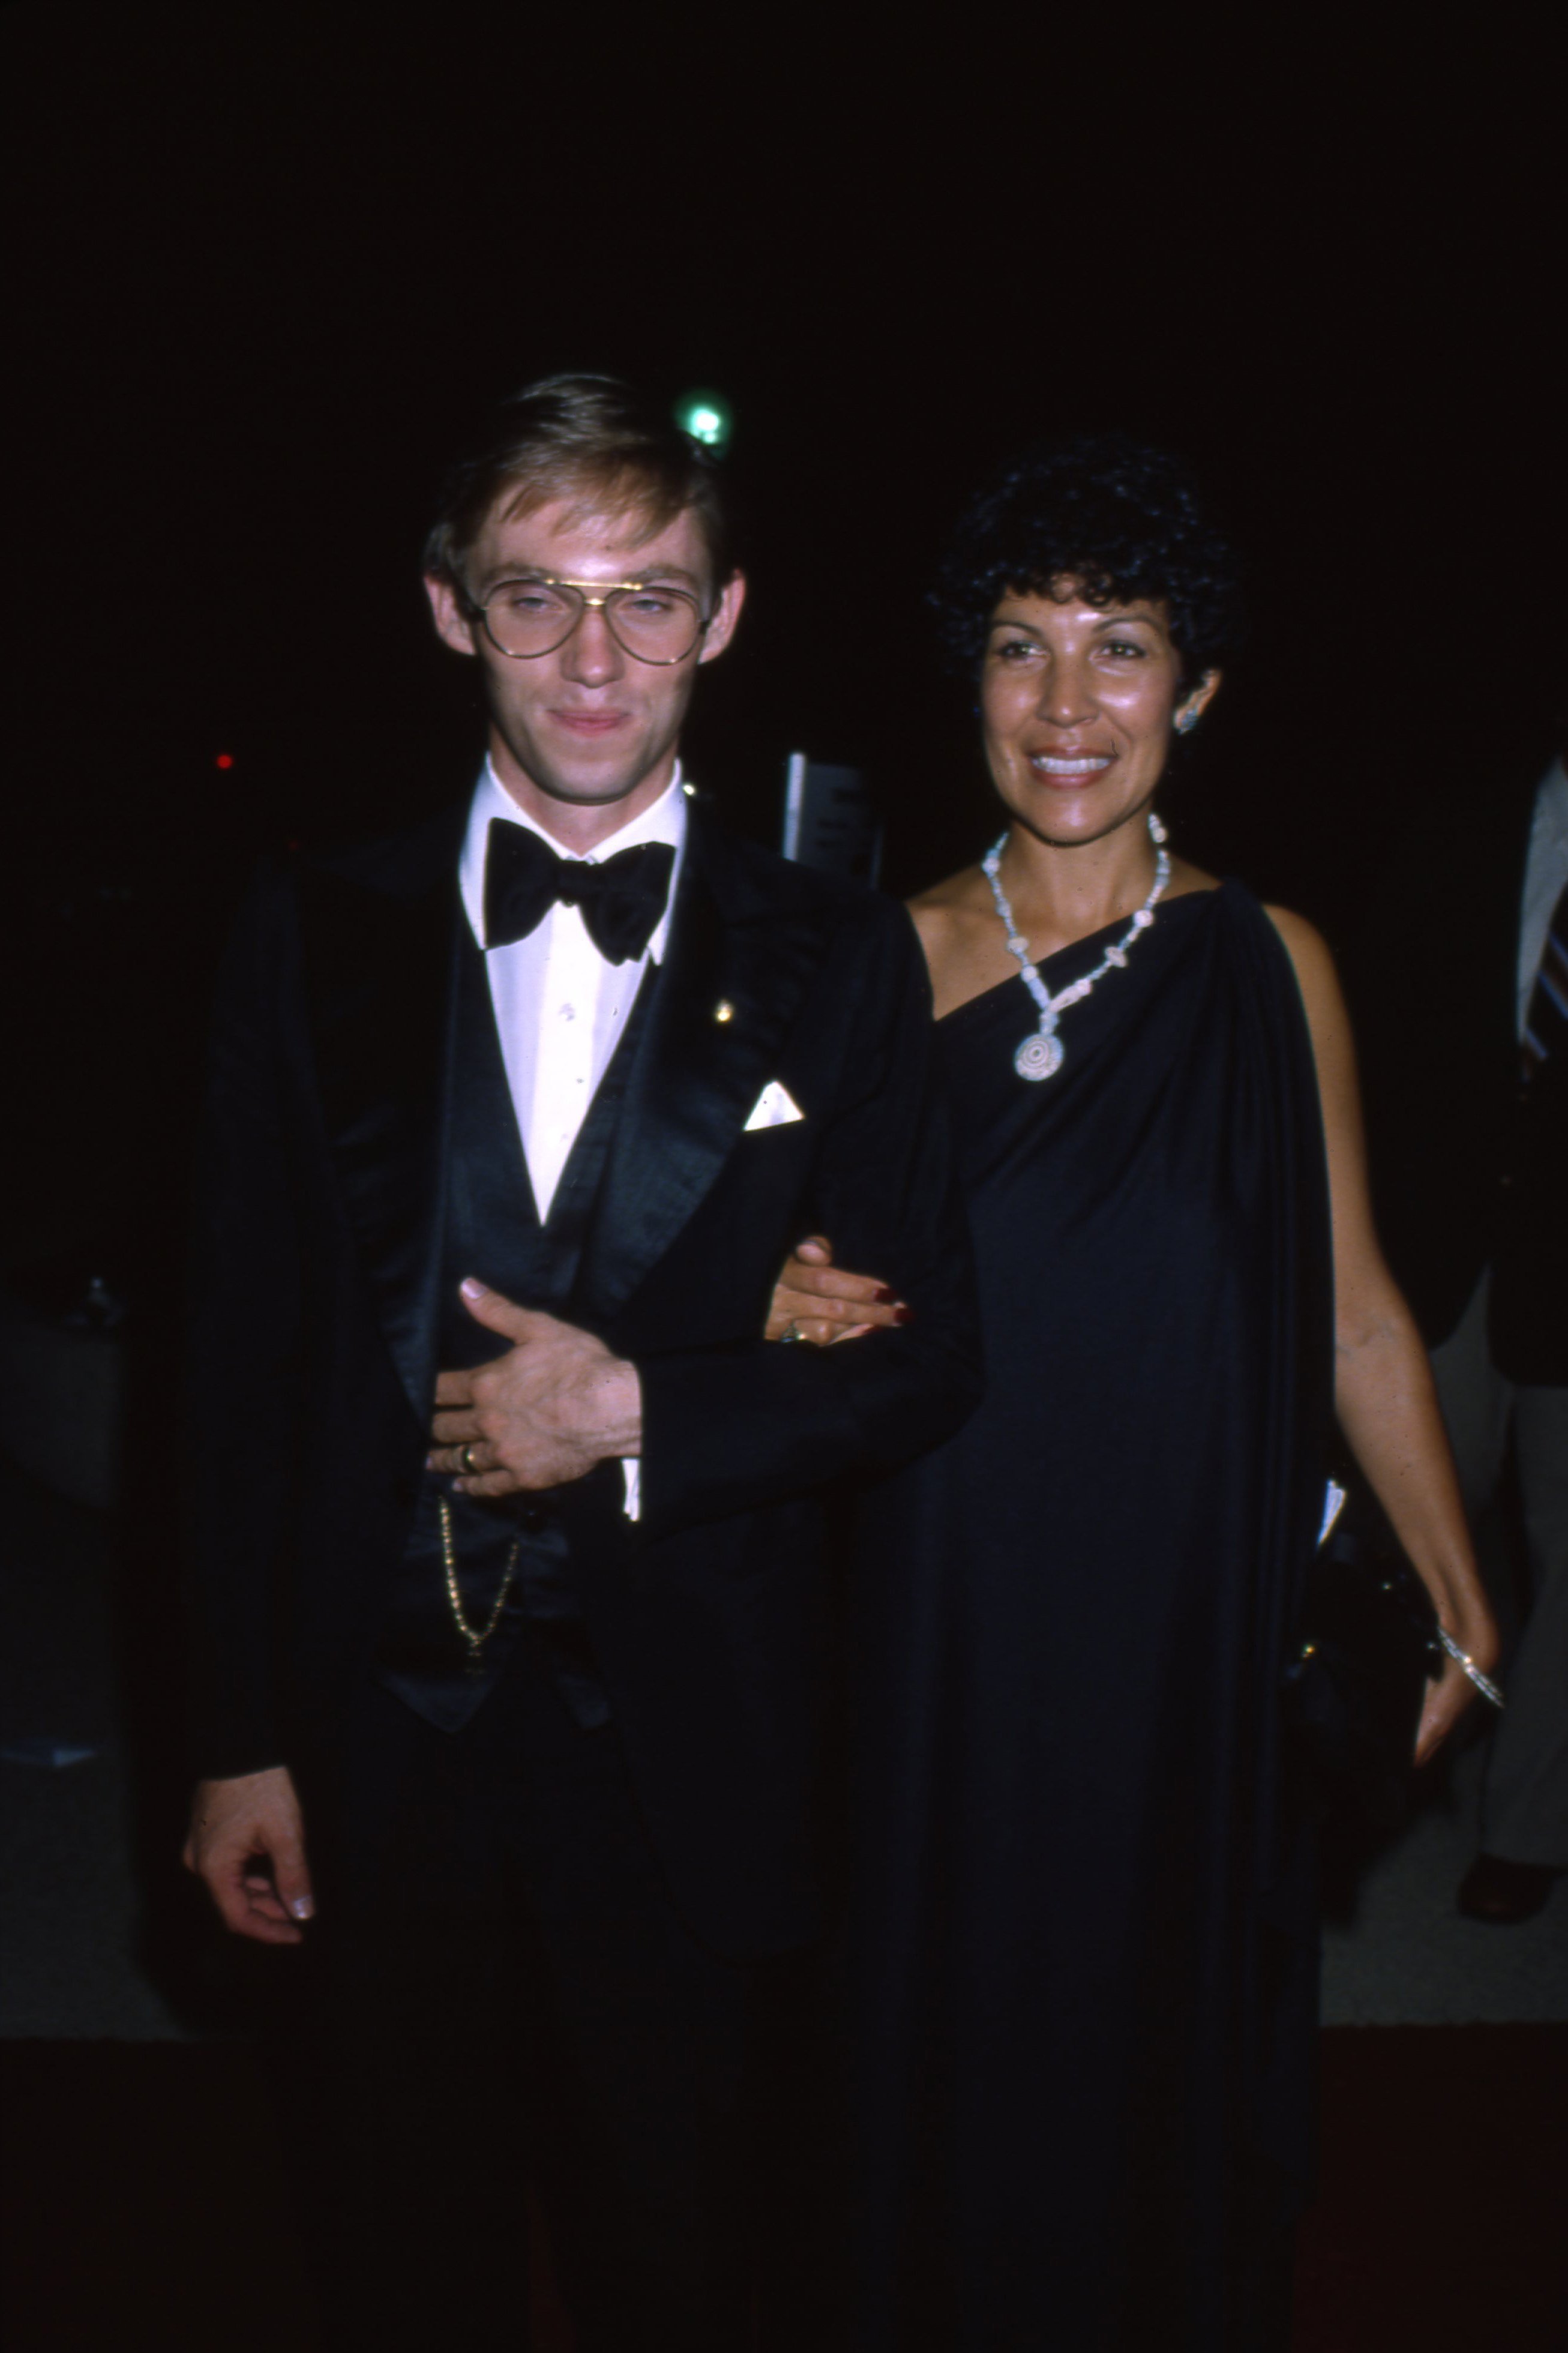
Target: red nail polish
(886, 1298)
(905, 1315)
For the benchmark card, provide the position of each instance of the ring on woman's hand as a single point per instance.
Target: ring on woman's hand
(465, 1462)
(792, 1331)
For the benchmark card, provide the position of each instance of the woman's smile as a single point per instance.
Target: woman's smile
(1078, 699)
(1070, 768)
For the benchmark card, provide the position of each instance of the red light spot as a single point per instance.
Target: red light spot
(224, 760)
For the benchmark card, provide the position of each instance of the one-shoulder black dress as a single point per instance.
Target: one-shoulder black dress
(1088, 1937)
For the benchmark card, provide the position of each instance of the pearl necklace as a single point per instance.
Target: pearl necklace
(1040, 1057)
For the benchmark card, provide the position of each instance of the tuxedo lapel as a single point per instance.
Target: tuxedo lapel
(381, 944)
(738, 964)
(381, 936)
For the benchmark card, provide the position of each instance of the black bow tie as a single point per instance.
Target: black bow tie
(621, 900)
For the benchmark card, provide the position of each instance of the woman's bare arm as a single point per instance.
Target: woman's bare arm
(1383, 1395)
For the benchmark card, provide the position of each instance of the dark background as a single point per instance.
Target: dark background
(265, 269)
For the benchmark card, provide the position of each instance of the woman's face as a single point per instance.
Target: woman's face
(1078, 702)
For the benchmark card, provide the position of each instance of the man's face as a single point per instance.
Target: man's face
(584, 738)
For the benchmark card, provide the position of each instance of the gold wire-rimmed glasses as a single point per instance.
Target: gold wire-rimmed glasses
(650, 619)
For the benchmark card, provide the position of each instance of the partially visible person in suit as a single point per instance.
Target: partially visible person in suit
(506, 1526)
(1462, 1006)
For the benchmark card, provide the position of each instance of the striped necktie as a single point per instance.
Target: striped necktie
(1545, 1036)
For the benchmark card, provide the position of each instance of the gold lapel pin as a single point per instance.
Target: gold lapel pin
(723, 1010)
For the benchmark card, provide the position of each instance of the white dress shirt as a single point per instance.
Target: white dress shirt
(560, 1006)
(1545, 873)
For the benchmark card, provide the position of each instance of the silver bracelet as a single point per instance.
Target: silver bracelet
(1483, 1683)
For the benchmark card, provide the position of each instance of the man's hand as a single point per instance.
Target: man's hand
(545, 1413)
(247, 1841)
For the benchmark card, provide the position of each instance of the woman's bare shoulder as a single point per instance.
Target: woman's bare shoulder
(963, 942)
(953, 914)
(967, 888)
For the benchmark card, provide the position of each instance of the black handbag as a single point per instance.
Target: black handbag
(1368, 1646)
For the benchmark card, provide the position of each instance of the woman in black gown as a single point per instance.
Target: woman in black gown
(1089, 1938)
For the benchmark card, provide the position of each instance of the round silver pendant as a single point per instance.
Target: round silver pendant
(1039, 1057)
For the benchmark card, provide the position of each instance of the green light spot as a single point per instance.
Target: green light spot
(705, 416)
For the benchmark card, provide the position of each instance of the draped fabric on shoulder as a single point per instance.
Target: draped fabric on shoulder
(1088, 1942)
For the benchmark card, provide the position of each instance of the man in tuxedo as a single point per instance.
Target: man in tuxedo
(1463, 1005)
(514, 1622)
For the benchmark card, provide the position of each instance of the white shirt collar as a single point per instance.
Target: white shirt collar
(663, 821)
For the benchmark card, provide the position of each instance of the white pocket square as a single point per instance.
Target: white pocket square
(774, 1107)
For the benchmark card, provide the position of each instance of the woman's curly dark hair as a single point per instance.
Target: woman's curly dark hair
(1121, 519)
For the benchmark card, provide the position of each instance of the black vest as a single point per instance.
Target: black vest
(493, 1230)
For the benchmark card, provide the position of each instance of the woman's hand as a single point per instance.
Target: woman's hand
(1463, 1612)
(814, 1300)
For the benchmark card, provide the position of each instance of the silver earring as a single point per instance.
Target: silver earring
(1186, 722)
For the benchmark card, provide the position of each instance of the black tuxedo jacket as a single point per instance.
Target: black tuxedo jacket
(315, 1303)
(1468, 1171)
